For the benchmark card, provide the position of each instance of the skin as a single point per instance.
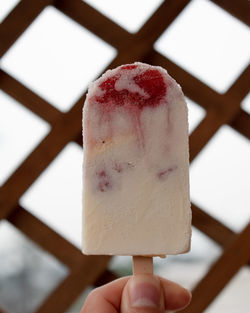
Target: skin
(114, 297)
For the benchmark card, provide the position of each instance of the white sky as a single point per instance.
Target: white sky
(5, 7)
(50, 58)
(130, 14)
(209, 43)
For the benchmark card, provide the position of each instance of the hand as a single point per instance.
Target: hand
(137, 294)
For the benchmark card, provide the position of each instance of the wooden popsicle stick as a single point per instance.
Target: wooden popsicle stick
(142, 265)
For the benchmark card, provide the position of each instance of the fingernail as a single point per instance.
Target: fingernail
(145, 291)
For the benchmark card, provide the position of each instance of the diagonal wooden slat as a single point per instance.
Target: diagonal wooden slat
(18, 20)
(142, 42)
(234, 257)
(45, 237)
(204, 131)
(240, 87)
(160, 20)
(33, 166)
(29, 99)
(239, 8)
(241, 123)
(78, 279)
(210, 226)
(94, 21)
(113, 33)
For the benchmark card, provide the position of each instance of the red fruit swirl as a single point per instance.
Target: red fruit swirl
(152, 89)
(151, 82)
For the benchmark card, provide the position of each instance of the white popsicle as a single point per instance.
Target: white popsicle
(136, 160)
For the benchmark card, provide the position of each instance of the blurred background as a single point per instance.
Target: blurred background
(50, 52)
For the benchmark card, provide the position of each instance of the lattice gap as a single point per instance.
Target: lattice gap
(219, 115)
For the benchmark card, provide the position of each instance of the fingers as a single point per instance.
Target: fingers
(152, 294)
(105, 299)
(143, 294)
(137, 294)
(176, 297)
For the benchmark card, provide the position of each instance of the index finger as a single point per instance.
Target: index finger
(106, 299)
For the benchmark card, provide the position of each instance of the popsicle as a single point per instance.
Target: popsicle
(135, 167)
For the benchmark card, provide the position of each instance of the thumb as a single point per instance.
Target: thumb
(143, 293)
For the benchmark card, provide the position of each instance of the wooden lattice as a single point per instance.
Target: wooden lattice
(66, 127)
